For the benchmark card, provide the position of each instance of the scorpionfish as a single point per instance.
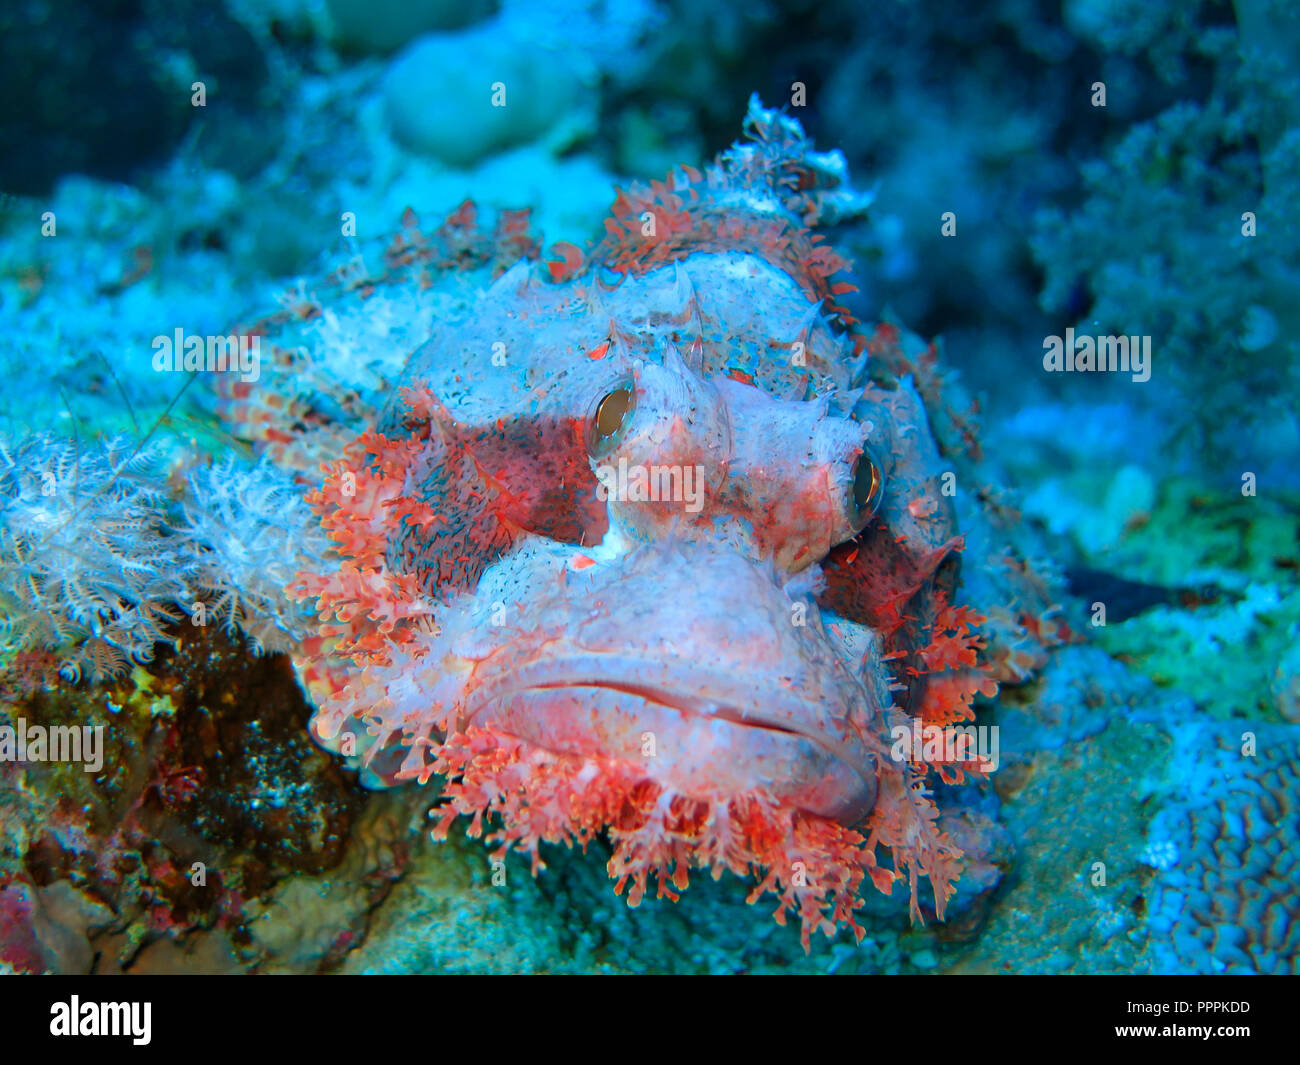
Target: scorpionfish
(650, 539)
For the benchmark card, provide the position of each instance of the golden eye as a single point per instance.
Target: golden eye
(868, 487)
(610, 417)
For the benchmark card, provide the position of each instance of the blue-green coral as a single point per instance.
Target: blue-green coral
(1188, 232)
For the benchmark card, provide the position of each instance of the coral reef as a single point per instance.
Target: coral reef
(248, 536)
(88, 568)
(209, 792)
(1187, 869)
(1225, 155)
(447, 426)
(1228, 839)
(100, 559)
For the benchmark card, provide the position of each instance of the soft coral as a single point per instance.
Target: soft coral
(85, 562)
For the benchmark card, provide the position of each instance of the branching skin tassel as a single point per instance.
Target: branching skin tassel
(650, 540)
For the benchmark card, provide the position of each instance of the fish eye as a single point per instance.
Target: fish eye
(868, 486)
(610, 416)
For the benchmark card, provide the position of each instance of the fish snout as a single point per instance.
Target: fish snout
(801, 479)
(659, 440)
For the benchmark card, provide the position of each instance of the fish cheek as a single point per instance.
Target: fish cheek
(555, 482)
(524, 475)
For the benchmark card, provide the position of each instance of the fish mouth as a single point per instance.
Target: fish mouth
(705, 734)
(586, 672)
